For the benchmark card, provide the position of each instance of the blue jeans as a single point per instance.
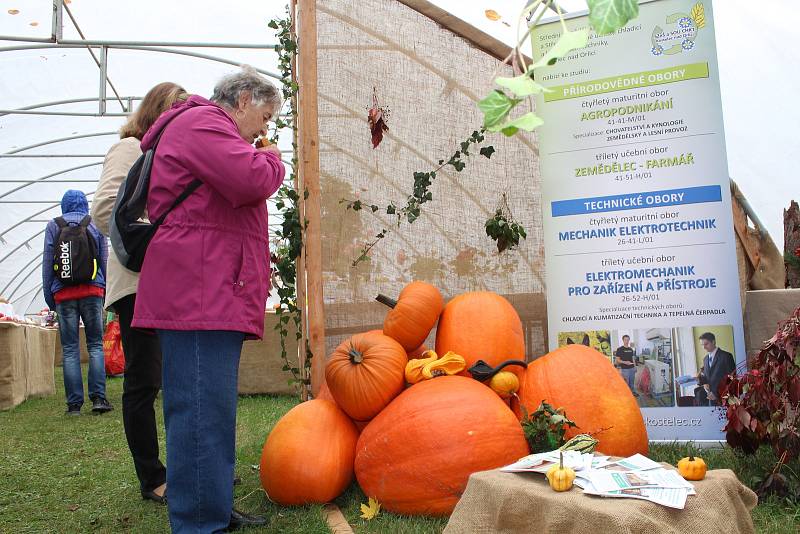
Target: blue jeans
(90, 309)
(629, 375)
(199, 383)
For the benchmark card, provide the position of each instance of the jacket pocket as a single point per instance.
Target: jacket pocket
(248, 282)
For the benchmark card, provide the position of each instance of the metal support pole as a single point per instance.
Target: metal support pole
(103, 69)
(58, 21)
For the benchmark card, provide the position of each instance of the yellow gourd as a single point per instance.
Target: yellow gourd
(692, 468)
(414, 367)
(504, 384)
(560, 477)
(449, 364)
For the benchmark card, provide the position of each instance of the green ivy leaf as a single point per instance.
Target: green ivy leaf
(496, 108)
(521, 85)
(607, 16)
(567, 42)
(528, 122)
(487, 151)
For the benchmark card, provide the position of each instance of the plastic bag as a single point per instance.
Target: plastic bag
(112, 349)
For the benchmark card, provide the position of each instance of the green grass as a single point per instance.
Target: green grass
(75, 475)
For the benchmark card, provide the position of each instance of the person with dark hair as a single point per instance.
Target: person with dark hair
(625, 359)
(75, 298)
(204, 283)
(717, 364)
(142, 379)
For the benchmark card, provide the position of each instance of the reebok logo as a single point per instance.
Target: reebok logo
(66, 267)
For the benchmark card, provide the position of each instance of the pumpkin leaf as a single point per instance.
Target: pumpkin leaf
(607, 16)
(566, 43)
(496, 108)
(370, 510)
(522, 85)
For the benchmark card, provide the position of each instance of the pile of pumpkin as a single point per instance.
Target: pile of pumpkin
(413, 424)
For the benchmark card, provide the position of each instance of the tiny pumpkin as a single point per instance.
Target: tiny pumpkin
(692, 468)
(449, 364)
(560, 477)
(504, 384)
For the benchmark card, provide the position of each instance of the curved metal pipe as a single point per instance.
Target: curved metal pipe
(61, 139)
(137, 47)
(36, 257)
(36, 180)
(4, 232)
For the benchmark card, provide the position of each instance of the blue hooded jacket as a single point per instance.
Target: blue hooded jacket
(74, 207)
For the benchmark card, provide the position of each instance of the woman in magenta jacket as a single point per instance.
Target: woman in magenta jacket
(204, 283)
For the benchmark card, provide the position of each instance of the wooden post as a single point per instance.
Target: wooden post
(309, 175)
(791, 240)
(300, 268)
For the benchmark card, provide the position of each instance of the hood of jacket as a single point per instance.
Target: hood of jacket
(177, 108)
(74, 201)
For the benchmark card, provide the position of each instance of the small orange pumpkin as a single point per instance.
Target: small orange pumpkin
(365, 373)
(692, 468)
(413, 315)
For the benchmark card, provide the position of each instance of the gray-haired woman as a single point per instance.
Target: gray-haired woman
(204, 283)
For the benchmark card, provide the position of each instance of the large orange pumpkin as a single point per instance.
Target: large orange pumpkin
(308, 457)
(415, 457)
(413, 315)
(585, 383)
(365, 373)
(481, 326)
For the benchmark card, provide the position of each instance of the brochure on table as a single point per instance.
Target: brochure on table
(639, 240)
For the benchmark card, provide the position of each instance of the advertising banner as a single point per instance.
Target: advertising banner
(639, 241)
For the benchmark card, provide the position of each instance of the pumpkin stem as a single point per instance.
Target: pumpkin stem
(691, 457)
(561, 460)
(355, 356)
(383, 299)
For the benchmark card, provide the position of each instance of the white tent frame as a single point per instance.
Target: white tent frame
(56, 41)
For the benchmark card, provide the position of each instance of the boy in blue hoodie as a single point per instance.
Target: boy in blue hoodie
(73, 302)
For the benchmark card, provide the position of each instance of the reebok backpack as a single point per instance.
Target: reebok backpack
(75, 252)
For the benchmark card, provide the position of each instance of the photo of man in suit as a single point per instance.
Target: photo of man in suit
(717, 364)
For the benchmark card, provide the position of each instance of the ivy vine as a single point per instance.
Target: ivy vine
(421, 193)
(290, 236)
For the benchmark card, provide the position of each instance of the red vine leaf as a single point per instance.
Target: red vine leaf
(377, 117)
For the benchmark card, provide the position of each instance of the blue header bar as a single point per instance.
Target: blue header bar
(635, 201)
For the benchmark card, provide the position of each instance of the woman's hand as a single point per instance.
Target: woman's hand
(271, 148)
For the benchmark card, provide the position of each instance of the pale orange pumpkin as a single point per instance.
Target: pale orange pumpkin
(481, 326)
(591, 391)
(415, 457)
(365, 373)
(308, 457)
(413, 315)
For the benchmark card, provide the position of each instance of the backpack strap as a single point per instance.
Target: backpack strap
(193, 185)
(61, 222)
(87, 219)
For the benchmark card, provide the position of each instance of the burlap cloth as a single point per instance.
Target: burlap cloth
(261, 366)
(496, 502)
(26, 363)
